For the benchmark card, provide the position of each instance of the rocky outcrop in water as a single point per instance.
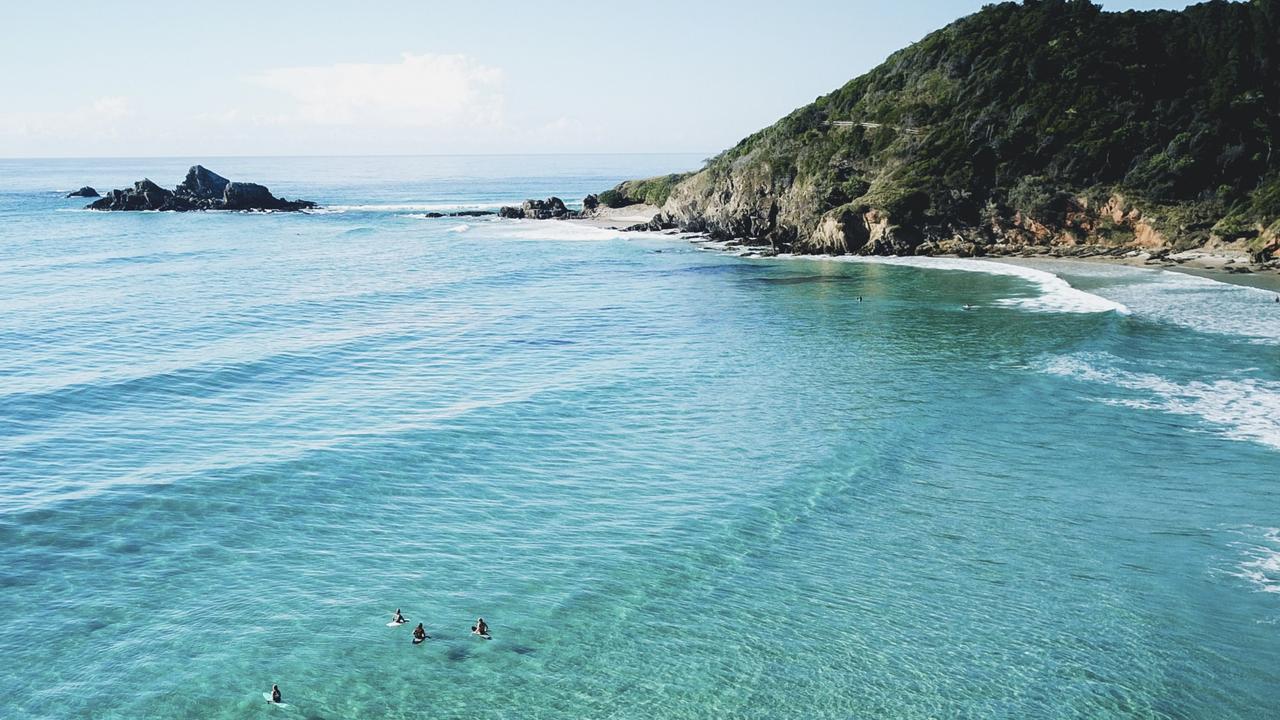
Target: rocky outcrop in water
(460, 213)
(202, 189)
(203, 184)
(84, 192)
(551, 208)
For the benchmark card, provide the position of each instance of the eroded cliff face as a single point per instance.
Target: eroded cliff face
(747, 203)
(750, 206)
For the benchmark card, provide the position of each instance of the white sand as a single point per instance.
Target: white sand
(609, 218)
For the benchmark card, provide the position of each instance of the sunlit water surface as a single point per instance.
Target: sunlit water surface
(676, 483)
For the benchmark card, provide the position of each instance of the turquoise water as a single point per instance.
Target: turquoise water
(676, 483)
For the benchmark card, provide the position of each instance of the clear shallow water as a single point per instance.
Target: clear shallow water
(676, 483)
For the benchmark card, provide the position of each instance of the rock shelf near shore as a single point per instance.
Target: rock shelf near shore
(202, 189)
(553, 208)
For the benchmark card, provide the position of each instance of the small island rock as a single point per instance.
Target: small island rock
(202, 189)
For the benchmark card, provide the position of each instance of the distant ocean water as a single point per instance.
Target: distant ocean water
(676, 483)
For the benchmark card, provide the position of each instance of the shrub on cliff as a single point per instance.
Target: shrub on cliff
(651, 191)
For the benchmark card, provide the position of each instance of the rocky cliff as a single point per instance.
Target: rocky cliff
(1048, 125)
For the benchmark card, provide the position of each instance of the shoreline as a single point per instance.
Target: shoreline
(1267, 280)
(1199, 263)
(1212, 266)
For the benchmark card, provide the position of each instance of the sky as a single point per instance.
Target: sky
(160, 79)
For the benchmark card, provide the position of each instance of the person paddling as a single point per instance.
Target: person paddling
(275, 694)
(481, 628)
(398, 618)
(419, 634)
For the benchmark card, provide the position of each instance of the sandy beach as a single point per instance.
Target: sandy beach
(618, 218)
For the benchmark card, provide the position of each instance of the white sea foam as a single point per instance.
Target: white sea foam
(1206, 305)
(1191, 301)
(554, 230)
(1260, 563)
(1056, 294)
(1241, 408)
(459, 228)
(414, 207)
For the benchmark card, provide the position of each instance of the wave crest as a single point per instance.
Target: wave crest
(1056, 294)
(1244, 409)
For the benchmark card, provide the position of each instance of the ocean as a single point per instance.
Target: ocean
(675, 482)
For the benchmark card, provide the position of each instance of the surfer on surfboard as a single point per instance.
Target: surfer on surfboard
(275, 694)
(481, 628)
(398, 618)
(419, 634)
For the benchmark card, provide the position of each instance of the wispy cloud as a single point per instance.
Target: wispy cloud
(427, 91)
(101, 117)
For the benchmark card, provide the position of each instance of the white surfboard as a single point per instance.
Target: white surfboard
(393, 623)
(267, 695)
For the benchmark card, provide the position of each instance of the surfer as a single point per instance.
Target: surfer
(419, 634)
(275, 694)
(967, 306)
(398, 619)
(481, 628)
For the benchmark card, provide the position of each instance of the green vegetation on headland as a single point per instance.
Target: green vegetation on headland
(650, 191)
(1033, 125)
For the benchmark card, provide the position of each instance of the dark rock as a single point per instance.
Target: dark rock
(201, 190)
(86, 192)
(657, 224)
(144, 195)
(590, 203)
(471, 213)
(152, 194)
(203, 184)
(551, 208)
(247, 196)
